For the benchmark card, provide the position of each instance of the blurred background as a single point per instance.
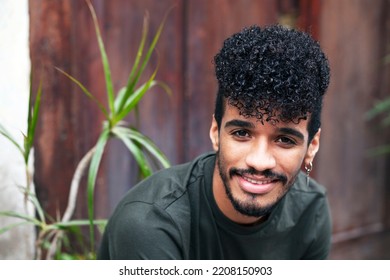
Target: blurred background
(355, 35)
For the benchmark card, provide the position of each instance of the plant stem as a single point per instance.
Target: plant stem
(74, 187)
(53, 245)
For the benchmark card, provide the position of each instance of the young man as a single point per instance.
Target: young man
(248, 199)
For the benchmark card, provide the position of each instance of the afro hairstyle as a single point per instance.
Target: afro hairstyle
(274, 74)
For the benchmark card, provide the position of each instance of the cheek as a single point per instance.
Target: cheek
(231, 155)
(290, 161)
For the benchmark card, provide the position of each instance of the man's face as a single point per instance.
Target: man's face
(256, 163)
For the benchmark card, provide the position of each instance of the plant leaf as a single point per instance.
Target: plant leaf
(20, 216)
(135, 150)
(386, 120)
(33, 111)
(29, 114)
(92, 174)
(152, 45)
(106, 66)
(147, 143)
(11, 226)
(32, 123)
(135, 98)
(132, 81)
(119, 98)
(7, 134)
(34, 200)
(122, 91)
(387, 59)
(72, 223)
(379, 108)
(381, 150)
(86, 92)
(165, 87)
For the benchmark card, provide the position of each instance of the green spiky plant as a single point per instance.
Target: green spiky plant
(28, 138)
(119, 107)
(46, 226)
(52, 235)
(381, 110)
(25, 151)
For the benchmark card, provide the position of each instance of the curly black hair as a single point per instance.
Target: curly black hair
(273, 74)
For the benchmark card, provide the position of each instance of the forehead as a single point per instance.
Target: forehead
(233, 113)
(264, 111)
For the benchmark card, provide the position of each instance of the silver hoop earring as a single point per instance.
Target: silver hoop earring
(308, 169)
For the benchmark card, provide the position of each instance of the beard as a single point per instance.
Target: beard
(251, 206)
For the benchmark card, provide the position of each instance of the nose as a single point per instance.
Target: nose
(260, 156)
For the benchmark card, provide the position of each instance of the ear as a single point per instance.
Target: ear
(214, 134)
(313, 148)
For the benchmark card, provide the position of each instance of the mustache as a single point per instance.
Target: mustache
(269, 174)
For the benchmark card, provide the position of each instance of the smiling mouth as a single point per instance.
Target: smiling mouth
(256, 186)
(258, 181)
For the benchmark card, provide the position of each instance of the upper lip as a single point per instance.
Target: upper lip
(258, 180)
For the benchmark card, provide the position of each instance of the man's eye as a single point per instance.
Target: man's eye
(286, 141)
(241, 133)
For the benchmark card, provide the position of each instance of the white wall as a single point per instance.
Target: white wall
(14, 89)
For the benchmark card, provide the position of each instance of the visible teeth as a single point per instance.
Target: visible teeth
(261, 182)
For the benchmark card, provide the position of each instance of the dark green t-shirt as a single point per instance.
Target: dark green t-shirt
(173, 215)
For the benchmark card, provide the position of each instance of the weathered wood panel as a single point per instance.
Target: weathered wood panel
(352, 35)
(65, 113)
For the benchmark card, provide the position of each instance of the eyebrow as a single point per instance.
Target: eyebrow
(292, 131)
(239, 123)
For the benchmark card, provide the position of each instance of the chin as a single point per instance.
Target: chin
(254, 205)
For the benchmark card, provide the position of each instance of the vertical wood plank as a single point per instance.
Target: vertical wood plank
(309, 17)
(50, 46)
(352, 38)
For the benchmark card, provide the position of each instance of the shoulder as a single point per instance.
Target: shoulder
(306, 208)
(167, 185)
(303, 196)
(303, 202)
(139, 230)
(316, 216)
(153, 218)
(300, 185)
